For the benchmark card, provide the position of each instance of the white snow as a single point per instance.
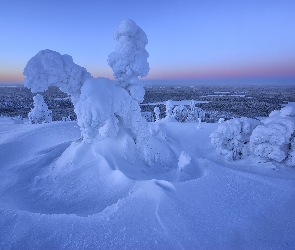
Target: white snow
(64, 194)
(129, 60)
(40, 113)
(50, 68)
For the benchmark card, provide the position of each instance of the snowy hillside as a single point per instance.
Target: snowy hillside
(64, 195)
(112, 180)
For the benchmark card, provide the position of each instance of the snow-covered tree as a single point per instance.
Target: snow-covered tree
(169, 108)
(169, 112)
(180, 113)
(49, 68)
(129, 60)
(157, 113)
(272, 141)
(232, 137)
(105, 108)
(195, 113)
(291, 154)
(40, 113)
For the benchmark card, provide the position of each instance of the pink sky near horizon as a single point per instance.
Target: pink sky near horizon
(175, 73)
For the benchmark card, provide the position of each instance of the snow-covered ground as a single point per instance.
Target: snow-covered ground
(58, 192)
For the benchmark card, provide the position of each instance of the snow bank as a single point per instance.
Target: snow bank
(49, 68)
(95, 206)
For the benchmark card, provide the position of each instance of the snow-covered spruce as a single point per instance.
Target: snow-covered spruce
(104, 108)
(195, 113)
(129, 60)
(169, 112)
(49, 68)
(273, 140)
(40, 113)
(157, 113)
(291, 154)
(180, 113)
(232, 137)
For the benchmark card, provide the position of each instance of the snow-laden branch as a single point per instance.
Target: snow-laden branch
(49, 68)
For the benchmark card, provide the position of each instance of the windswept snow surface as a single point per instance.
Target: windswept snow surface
(58, 192)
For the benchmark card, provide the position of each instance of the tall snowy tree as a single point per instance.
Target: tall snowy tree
(129, 60)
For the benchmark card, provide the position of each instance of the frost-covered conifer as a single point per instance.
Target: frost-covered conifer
(129, 60)
(157, 113)
(232, 137)
(40, 113)
(271, 141)
(169, 112)
(49, 68)
(180, 113)
(104, 108)
(169, 108)
(291, 154)
(195, 113)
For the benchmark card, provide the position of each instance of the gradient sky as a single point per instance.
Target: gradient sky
(187, 39)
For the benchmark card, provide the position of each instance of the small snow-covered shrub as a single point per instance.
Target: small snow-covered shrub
(180, 113)
(40, 113)
(169, 112)
(232, 137)
(195, 113)
(66, 119)
(274, 141)
(129, 60)
(291, 154)
(49, 68)
(271, 140)
(157, 113)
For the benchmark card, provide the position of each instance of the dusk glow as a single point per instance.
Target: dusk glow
(187, 40)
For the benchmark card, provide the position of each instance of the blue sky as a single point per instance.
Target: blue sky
(187, 39)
